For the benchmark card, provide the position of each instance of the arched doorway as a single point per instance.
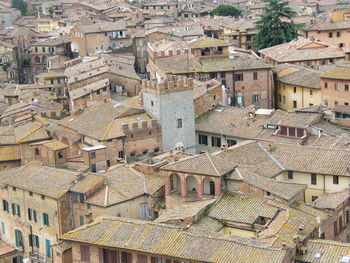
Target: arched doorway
(174, 183)
(191, 184)
(209, 186)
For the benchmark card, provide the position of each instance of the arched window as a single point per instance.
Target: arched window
(37, 60)
(44, 60)
(37, 151)
(37, 71)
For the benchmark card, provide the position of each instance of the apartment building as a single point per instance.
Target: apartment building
(100, 37)
(35, 208)
(297, 86)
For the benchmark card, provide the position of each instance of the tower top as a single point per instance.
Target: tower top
(170, 84)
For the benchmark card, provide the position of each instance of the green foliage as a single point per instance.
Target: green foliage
(226, 10)
(20, 5)
(275, 26)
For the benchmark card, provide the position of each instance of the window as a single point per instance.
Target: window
(215, 141)
(290, 175)
(36, 49)
(335, 179)
(179, 123)
(16, 210)
(93, 155)
(295, 104)
(347, 218)
(279, 98)
(311, 92)
(238, 77)
(121, 154)
(81, 198)
(325, 102)
(18, 238)
(313, 179)
(45, 219)
(313, 198)
(255, 75)
(255, 98)
(98, 92)
(335, 103)
(37, 151)
(340, 222)
(284, 99)
(34, 241)
(330, 34)
(346, 87)
(338, 34)
(5, 205)
(31, 214)
(81, 220)
(326, 85)
(335, 228)
(231, 142)
(295, 89)
(341, 45)
(3, 228)
(43, 49)
(203, 139)
(300, 133)
(336, 86)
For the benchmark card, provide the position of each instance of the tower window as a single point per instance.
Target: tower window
(179, 123)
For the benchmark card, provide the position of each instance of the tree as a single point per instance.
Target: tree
(20, 5)
(226, 10)
(276, 25)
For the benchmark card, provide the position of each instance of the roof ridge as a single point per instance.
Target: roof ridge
(211, 162)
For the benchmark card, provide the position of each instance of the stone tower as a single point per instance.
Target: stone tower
(171, 102)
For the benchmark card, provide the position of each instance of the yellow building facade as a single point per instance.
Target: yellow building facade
(318, 184)
(297, 87)
(295, 97)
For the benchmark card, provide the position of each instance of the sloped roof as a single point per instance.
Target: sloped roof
(9, 153)
(283, 190)
(160, 239)
(331, 200)
(124, 183)
(301, 50)
(104, 120)
(242, 208)
(203, 164)
(208, 42)
(328, 250)
(338, 72)
(40, 179)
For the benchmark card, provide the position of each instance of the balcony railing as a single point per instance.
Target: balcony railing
(39, 258)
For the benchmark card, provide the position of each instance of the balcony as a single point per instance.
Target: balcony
(39, 258)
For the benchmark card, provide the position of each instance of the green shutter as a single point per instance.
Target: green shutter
(34, 215)
(13, 209)
(37, 241)
(3, 228)
(48, 248)
(30, 238)
(45, 219)
(18, 210)
(81, 220)
(253, 99)
(17, 237)
(242, 100)
(29, 215)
